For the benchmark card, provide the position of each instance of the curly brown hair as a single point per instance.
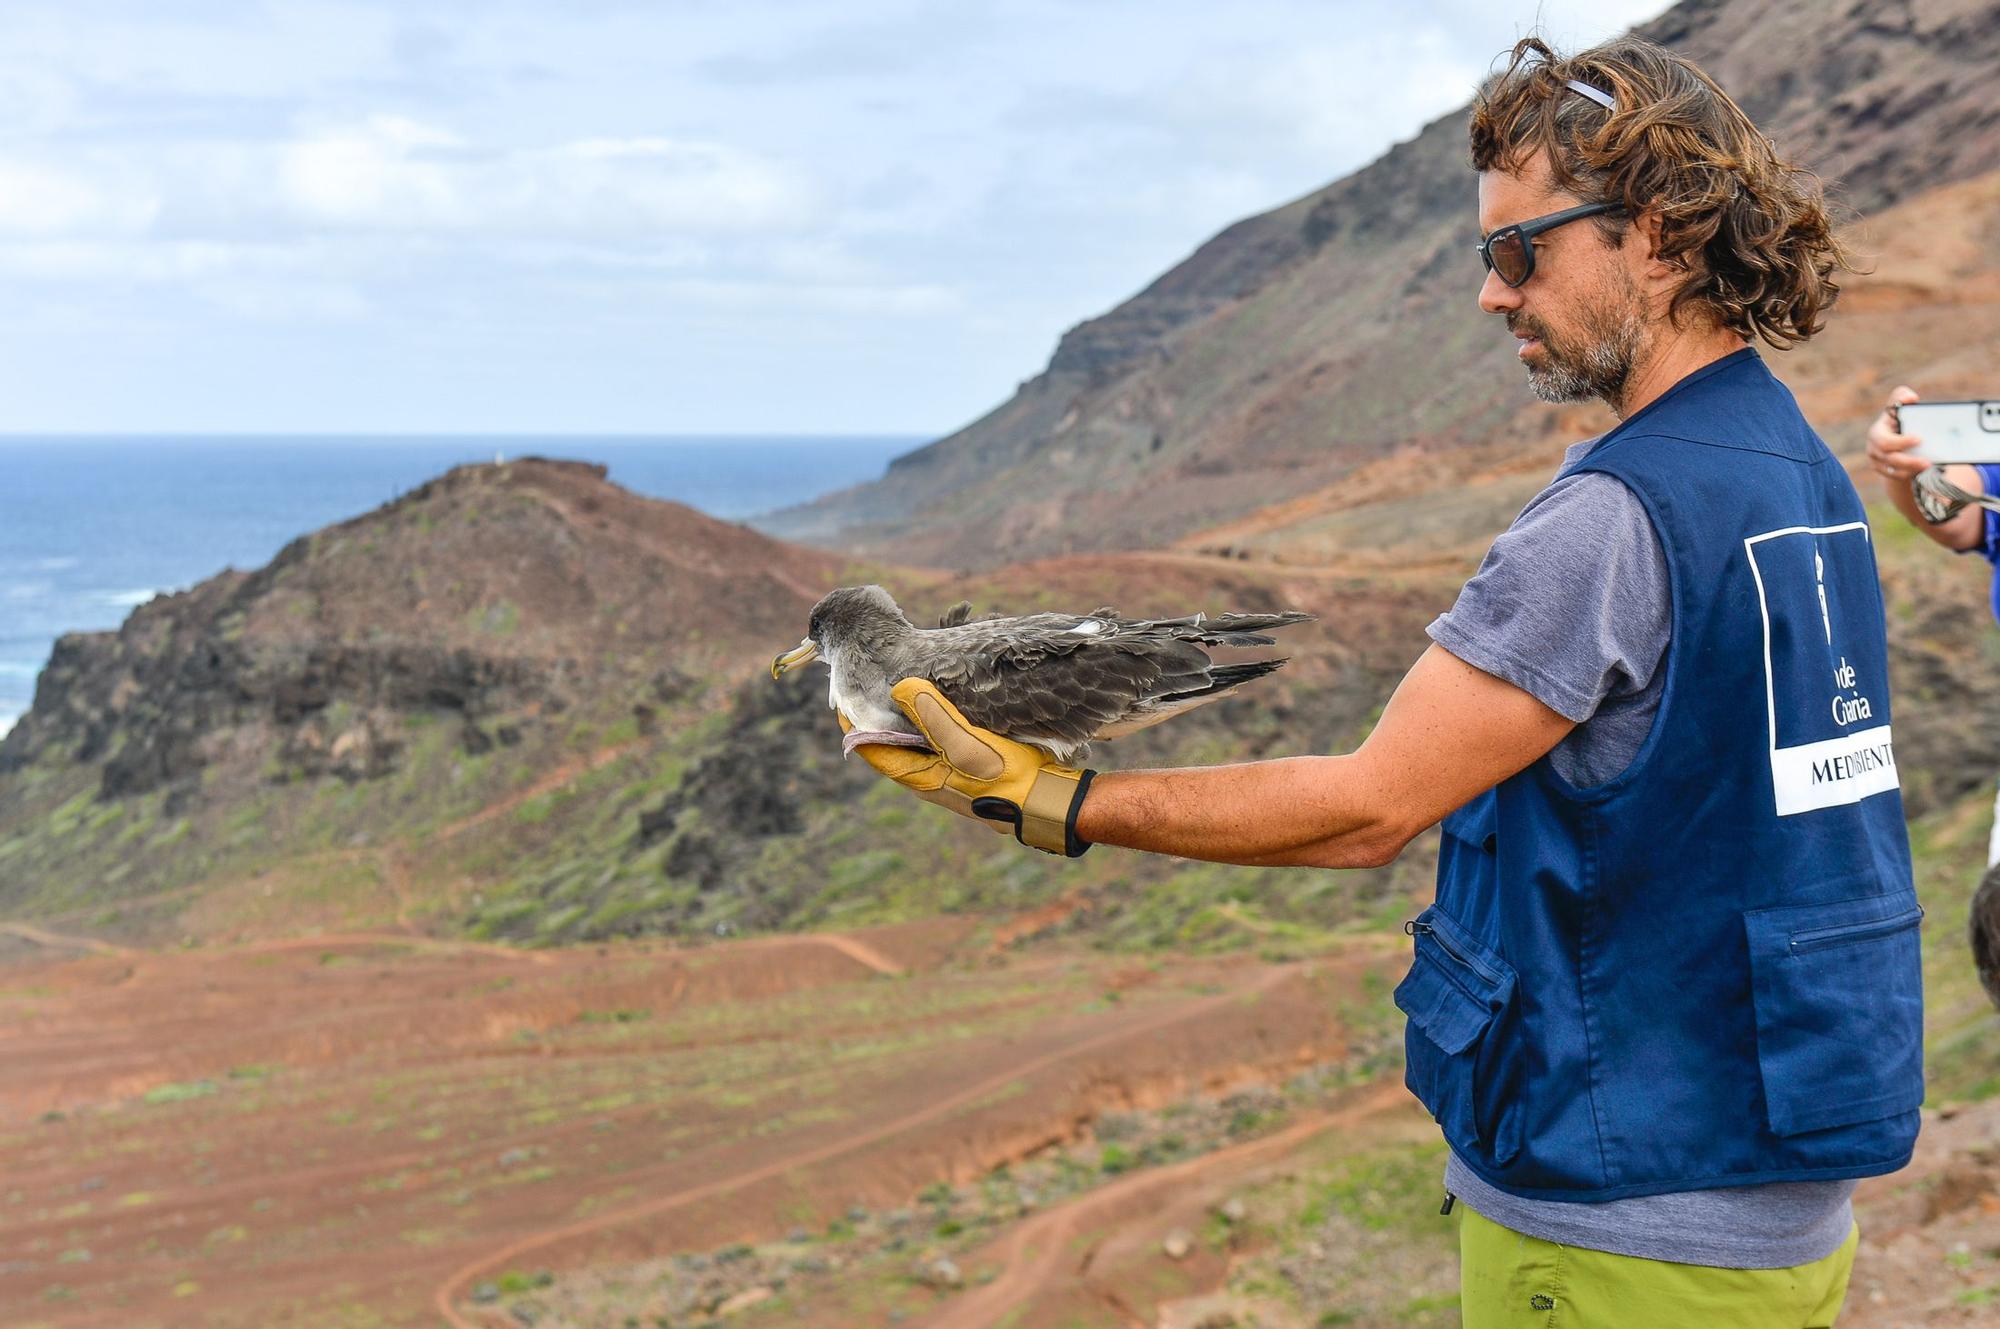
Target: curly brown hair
(1750, 231)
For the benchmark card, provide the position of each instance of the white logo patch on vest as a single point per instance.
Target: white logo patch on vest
(1825, 684)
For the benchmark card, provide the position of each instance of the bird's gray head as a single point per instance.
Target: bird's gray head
(852, 622)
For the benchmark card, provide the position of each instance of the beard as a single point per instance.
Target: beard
(1596, 364)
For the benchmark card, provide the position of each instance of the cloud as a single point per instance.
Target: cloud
(391, 173)
(846, 51)
(279, 195)
(387, 171)
(890, 299)
(342, 220)
(668, 184)
(423, 47)
(45, 201)
(297, 300)
(264, 282)
(124, 260)
(1324, 103)
(334, 195)
(34, 101)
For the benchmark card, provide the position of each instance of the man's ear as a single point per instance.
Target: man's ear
(1647, 227)
(1657, 276)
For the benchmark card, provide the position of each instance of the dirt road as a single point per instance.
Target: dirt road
(1038, 1255)
(62, 941)
(301, 1129)
(462, 1279)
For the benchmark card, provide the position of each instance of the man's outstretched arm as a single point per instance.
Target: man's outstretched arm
(1449, 733)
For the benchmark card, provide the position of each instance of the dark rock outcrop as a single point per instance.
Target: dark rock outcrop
(772, 764)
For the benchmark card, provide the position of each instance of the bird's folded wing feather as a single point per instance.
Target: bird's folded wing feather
(1038, 676)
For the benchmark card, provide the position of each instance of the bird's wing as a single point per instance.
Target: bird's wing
(1070, 703)
(1066, 677)
(1040, 676)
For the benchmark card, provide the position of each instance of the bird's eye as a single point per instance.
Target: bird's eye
(812, 629)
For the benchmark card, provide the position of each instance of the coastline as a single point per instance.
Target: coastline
(92, 527)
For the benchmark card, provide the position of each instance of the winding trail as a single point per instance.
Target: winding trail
(854, 949)
(60, 940)
(412, 940)
(449, 1292)
(1034, 1252)
(558, 775)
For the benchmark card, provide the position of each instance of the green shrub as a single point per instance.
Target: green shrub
(180, 1093)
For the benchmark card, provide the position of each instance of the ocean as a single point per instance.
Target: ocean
(91, 527)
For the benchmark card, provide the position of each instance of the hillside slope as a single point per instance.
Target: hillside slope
(499, 595)
(1303, 343)
(524, 703)
(417, 659)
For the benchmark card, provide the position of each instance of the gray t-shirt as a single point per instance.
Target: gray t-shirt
(1573, 605)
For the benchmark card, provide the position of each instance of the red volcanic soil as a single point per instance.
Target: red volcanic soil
(1097, 1260)
(1930, 1234)
(359, 1130)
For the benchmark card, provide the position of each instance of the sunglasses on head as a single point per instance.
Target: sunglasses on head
(1510, 250)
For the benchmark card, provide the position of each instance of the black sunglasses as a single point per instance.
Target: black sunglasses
(1510, 251)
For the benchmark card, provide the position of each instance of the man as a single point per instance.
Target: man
(1666, 1007)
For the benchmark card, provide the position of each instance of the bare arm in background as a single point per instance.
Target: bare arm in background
(1888, 453)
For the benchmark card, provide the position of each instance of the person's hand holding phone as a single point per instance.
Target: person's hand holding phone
(1889, 449)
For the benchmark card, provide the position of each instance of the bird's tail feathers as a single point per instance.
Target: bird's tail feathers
(1223, 682)
(1225, 676)
(1247, 629)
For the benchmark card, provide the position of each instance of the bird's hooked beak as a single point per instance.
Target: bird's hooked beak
(804, 653)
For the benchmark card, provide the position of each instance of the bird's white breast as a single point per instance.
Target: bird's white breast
(862, 710)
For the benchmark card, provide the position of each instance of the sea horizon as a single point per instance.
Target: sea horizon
(94, 524)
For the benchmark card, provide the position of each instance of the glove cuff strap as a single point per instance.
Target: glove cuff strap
(1048, 814)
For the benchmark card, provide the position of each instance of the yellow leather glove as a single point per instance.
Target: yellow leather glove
(980, 774)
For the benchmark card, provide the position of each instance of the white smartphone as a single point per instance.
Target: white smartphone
(1965, 431)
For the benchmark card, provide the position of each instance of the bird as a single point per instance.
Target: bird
(1055, 680)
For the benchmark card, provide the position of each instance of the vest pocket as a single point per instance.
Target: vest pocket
(1838, 990)
(1454, 991)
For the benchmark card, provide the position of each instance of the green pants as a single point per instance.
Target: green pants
(1511, 1281)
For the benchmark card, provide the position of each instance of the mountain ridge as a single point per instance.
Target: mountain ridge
(1302, 343)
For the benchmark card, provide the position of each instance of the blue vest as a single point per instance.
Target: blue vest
(1705, 971)
(1989, 543)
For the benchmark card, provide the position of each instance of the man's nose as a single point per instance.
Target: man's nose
(1496, 296)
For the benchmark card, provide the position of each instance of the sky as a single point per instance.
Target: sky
(684, 216)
